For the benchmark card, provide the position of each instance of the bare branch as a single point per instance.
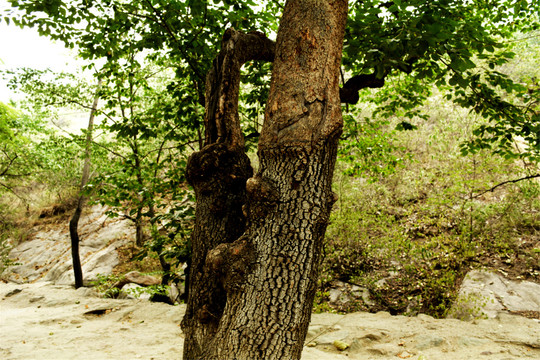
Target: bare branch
(12, 190)
(504, 183)
(8, 166)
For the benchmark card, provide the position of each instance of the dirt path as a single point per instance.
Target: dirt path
(44, 321)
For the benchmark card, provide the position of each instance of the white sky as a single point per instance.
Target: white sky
(25, 48)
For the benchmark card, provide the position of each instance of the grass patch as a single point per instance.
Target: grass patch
(411, 235)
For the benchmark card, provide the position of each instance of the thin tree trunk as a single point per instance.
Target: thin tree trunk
(74, 222)
(139, 229)
(258, 290)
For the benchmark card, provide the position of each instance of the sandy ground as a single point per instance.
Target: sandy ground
(44, 321)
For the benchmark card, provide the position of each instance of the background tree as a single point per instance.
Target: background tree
(148, 135)
(74, 221)
(456, 45)
(48, 92)
(140, 156)
(33, 157)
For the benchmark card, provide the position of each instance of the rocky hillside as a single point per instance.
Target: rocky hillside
(47, 254)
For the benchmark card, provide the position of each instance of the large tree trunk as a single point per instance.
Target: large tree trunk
(252, 290)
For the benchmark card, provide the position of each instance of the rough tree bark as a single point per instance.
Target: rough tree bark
(74, 221)
(218, 174)
(257, 240)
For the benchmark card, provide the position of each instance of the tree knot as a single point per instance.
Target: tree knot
(261, 189)
(229, 262)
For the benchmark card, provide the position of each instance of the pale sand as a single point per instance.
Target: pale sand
(45, 321)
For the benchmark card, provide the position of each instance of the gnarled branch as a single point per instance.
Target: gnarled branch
(223, 83)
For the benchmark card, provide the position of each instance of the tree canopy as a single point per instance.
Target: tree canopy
(457, 45)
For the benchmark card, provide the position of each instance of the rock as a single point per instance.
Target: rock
(135, 277)
(99, 263)
(485, 294)
(134, 291)
(340, 345)
(334, 295)
(339, 297)
(109, 322)
(86, 292)
(12, 292)
(425, 342)
(173, 293)
(372, 336)
(363, 293)
(356, 346)
(36, 299)
(140, 279)
(471, 341)
(383, 314)
(385, 349)
(425, 317)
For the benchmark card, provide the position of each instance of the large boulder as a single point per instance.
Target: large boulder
(484, 294)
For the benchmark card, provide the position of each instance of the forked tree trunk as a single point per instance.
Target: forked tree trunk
(252, 289)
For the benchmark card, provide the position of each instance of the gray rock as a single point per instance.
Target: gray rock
(471, 341)
(102, 262)
(485, 294)
(134, 291)
(173, 293)
(356, 346)
(425, 342)
(13, 292)
(361, 292)
(86, 292)
(36, 299)
(334, 295)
